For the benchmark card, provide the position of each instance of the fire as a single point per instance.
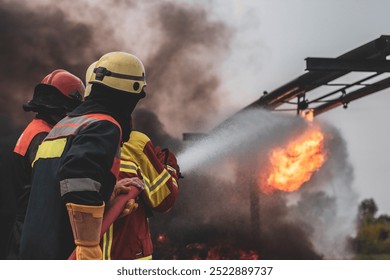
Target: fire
(293, 165)
(162, 238)
(309, 115)
(226, 252)
(223, 249)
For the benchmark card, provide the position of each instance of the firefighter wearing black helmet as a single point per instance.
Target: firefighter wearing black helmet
(77, 164)
(58, 93)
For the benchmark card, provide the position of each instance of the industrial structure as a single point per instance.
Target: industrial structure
(326, 84)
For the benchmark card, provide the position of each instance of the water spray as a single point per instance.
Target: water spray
(251, 129)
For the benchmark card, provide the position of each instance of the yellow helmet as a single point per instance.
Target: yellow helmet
(121, 71)
(88, 76)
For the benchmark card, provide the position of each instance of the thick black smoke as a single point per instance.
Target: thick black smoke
(183, 72)
(148, 122)
(35, 43)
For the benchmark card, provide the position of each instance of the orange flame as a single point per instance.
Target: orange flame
(227, 252)
(162, 238)
(308, 115)
(293, 165)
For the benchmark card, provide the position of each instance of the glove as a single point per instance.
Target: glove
(123, 187)
(166, 157)
(130, 206)
(86, 222)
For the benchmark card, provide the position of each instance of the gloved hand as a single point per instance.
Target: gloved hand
(168, 158)
(86, 222)
(123, 186)
(130, 206)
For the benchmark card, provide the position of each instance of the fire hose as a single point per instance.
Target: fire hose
(113, 212)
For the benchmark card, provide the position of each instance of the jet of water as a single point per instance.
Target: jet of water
(250, 130)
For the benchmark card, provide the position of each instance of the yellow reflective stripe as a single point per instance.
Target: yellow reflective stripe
(128, 166)
(146, 181)
(161, 179)
(158, 191)
(144, 258)
(159, 195)
(50, 149)
(175, 183)
(107, 243)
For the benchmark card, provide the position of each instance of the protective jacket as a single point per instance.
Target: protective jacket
(78, 162)
(129, 237)
(24, 154)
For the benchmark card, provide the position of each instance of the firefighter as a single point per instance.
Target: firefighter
(129, 237)
(58, 93)
(77, 164)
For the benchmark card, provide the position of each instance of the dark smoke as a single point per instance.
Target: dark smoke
(283, 238)
(183, 75)
(35, 43)
(148, 122)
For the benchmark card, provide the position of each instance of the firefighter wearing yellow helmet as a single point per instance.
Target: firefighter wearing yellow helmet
(77, 165)
(129, 237)
(120, 71)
